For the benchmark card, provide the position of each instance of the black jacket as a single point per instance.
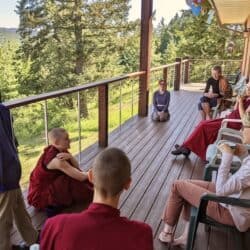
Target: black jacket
(10, 167)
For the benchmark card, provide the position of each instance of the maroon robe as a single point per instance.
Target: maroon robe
(207, 131)
(98, 227)
(53, 187)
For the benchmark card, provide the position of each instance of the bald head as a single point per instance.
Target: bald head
(56, 134)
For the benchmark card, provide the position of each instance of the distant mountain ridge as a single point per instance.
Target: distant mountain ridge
(9, 34)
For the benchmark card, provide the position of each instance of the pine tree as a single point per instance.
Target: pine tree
(69, 42)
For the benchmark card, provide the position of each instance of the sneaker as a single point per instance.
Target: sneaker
(20, 247)
(181, 150)
(166, 237)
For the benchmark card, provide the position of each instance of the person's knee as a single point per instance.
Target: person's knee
(155, 117)
(203, 99)
(177, 184)
(165, 117)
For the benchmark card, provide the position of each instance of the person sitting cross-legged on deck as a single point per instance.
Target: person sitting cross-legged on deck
(57, 181)
(211, 97)
(161, 99)
(206, 132)
(187, 193)
(100, 226)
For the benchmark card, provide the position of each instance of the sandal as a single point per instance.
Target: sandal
(166, 237)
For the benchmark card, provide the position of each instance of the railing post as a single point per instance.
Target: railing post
(103, 115)
(165, 75)
(145, 49)
(46, 122)
(186, 75)
(79, 127)
(177, 80)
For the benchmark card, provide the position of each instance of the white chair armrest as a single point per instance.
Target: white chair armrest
(226, 121)
(229, 132)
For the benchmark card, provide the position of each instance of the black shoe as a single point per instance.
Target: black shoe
(20, 247)
(181, 150)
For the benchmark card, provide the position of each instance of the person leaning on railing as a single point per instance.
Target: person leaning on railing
(12, 206)
(216, 88)
(206, 132)
(187, 193)
(161, 99)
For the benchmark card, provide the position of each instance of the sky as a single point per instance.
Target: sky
(8, 17)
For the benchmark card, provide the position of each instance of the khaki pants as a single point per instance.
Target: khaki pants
(187, 193)
(12, 207)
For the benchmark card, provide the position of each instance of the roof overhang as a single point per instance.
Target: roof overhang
(232, 11)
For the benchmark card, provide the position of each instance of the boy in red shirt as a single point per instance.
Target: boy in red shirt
(100, 226)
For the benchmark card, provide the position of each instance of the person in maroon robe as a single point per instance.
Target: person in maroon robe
(206, 132)
(57, 181)
(100, 226)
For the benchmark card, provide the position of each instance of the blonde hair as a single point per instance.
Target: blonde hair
(111, 171)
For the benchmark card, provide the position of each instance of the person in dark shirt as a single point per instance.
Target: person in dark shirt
(213, 93)
(161, 99)
(12, 206)
(100, 226)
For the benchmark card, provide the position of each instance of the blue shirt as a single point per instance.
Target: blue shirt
(161, 101)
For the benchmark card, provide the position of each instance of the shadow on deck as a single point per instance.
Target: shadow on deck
(154, 169)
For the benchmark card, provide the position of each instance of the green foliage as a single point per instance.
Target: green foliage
(8, 81)
(187, 35)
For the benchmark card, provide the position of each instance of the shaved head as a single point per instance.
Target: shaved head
(111, 172)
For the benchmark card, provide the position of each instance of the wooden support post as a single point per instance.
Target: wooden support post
(186, 75)
(165, 75)
(245, 67)
(246, 50)
(103, 115)
(177, 80)
(145, 55)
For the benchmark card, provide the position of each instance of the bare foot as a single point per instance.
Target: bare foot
(180, 241)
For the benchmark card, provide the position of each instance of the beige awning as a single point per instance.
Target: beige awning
(232, 11)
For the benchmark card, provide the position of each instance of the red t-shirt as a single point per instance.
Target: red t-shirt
(100, 227)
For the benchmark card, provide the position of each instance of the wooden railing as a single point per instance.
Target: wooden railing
(180, 72)
(174, 74)
(103, 92)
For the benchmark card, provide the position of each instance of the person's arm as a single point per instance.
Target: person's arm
(165, 109)
(66, 168)
(226, 184)
(207, 87)
(155, 102)
(241, 107)
(70, 157)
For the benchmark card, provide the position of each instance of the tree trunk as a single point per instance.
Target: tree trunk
(79, 54)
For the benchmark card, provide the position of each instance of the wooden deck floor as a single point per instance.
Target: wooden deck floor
(154, 169)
